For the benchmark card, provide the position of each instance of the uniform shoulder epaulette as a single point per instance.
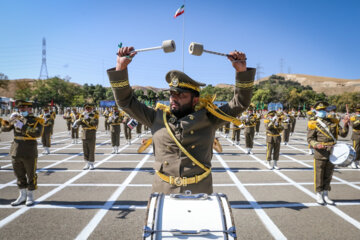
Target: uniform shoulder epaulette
(353, 118)
(310, 113)
(312, 124)
(266, 120)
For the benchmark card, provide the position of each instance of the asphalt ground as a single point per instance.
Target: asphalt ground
(110, 201)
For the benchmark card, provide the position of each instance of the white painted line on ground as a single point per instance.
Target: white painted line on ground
(86, 232)
(265, 219)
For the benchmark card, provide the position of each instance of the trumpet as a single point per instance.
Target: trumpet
(13, 119)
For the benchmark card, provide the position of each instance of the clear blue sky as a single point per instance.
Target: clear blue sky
(315, 37)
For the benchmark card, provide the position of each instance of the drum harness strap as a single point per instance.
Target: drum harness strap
(322, 124)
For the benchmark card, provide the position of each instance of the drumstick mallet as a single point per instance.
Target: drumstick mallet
(167, 46)
(197, 49)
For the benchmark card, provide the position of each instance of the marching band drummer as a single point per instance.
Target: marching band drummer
(355, 137)
(89, 121)
(182, 136)
(322, 135)
(23, 149)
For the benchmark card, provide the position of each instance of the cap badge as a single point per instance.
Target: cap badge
(175, 82)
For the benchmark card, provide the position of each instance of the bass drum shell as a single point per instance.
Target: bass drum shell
(342, 155)
(198, 216)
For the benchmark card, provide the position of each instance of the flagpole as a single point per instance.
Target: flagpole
(183, 39)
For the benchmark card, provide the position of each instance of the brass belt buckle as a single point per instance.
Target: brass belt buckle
(178, 181)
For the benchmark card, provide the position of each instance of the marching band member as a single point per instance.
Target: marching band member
(74, 115)
(293, 115)
(311, 116)
(23, 150)
(322, 136)
(48, 123)
(53, 117)
(67, 117)
(249, 122)
(89, 121)
(127, 129)
(355, 137)
(227, 129)
(258, 116)
(138, 129)
(106, 114)
(114, 121)
(182, 135)
(273, 139)
(236, 133)
(286, 123)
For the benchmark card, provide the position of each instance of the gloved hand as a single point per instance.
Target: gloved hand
(18, 124)
(14, 115)
(86, 116)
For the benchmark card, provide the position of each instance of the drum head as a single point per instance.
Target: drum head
(339, 153)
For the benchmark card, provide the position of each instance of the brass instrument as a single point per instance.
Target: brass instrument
(13, 118)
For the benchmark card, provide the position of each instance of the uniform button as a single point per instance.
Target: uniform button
(166, 163)
(193, 146)
(193, 164)
(192, 132)
(191, 117)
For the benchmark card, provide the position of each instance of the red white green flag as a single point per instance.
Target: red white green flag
(179, 11)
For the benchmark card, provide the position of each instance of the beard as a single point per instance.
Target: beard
(183, 110)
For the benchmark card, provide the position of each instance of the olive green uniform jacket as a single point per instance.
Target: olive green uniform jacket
(196, 131)
(355, 136)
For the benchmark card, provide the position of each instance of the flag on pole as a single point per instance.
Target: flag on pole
(179, 11)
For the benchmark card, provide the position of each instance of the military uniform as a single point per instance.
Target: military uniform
(89, 122)
(48, 124)
(310, 117)
(227, 129)
(323, 131)
(23, 151)
(236, 129)
(293, 116)
(74, 130)
(114, 121)
(258, 122)
(106, 114)
(127, 129)
(138, 129)
(355, 136)
(273, 139)
(175, 170)
(249, 121)
(67, 117)
(53, 117)
(286, 122)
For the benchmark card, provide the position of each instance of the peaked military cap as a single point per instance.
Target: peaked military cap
(321, 105)
(115, 107)
(46, 108)
(180, 82)
(21, 103)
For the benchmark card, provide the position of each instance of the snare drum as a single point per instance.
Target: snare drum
(132, 123)
(342, 154)
(189, 216)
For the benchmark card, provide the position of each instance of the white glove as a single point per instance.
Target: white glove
(86, 116)
(14, 115)
(18, 124)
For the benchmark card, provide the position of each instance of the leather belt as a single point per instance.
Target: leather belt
(183, 181)
(24, 138)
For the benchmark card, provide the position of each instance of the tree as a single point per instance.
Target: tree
(23, 90)
(4, 81)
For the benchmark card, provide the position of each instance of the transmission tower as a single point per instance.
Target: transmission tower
(43, 70)
(258, 71)
(281, 65)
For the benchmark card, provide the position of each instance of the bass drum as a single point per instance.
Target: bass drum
(189, 216)
(342, 154)
(132, 123)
